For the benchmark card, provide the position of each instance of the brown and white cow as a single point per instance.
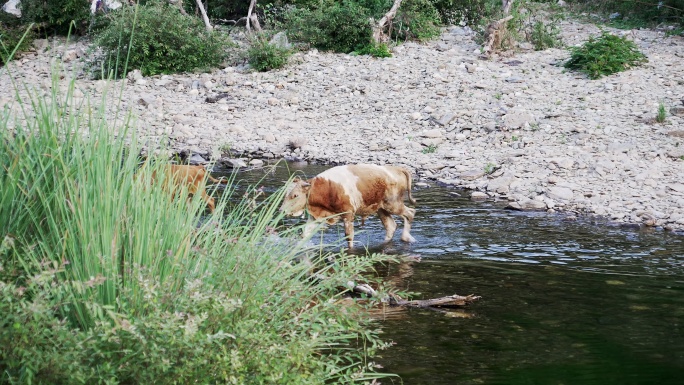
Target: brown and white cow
(351, 190)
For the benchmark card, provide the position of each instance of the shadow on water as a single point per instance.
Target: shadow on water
(563, 302)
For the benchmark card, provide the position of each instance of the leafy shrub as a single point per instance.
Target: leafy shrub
(545, 35)
(604, 55)
(634, 13)
(57, 14)
(375, 50)
(157, 39)
(265, 56)
(416, 19)
(332, 26)
(471, 12)
(12, 36)
(106, 279)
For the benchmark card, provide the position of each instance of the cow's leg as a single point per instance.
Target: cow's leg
(349, 229)
(310, 227)
(389, 223)
(408, 214)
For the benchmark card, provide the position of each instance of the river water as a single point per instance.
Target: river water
(563, 301)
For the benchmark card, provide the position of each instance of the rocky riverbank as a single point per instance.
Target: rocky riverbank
(518, 128)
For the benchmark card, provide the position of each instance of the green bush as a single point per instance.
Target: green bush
(604, 55)
(157, 39)
(416, 20)
(332, 26)
(375, 50)
(57, 14)
(13, 35)
(105, 279)
(264, 56)
(471, 12)
(634, 13)
(545, 35)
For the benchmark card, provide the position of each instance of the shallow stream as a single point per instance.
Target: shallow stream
(563, 301)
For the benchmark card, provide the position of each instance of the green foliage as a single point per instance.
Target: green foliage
(662, 114)
(375, 50)
(14, 37)
(604, 55)
(57, 14)
(631, 14)
(157, 39)
(545, 35)
(471, 12)
(490, 168)
(416, 20)
(105, 278)
(264, 56)
(429, 149)
(332, 26)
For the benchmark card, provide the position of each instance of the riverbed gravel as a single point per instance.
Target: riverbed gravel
(518, 128)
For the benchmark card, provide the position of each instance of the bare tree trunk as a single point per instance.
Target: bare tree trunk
(204, 16)
(379, 35)
(252, 17)
(507, 4)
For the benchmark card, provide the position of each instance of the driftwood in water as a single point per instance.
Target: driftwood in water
(448, 301)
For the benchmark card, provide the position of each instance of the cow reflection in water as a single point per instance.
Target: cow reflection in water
(347, 191)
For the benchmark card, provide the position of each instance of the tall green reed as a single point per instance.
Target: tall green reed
(152, 288)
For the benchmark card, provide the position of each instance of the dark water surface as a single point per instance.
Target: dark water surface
(563, 302)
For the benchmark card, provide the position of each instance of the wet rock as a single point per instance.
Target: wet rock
(478, 196)
(527, 205)
(256, 162)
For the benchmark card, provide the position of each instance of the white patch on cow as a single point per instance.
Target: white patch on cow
(347, 180)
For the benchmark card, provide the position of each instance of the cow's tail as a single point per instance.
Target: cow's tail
(407, 174)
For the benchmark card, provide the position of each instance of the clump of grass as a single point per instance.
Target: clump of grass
(105, 278)
(431, 149)
(545, 35)
(605, 55)
(662, 114)
(489, 168)
(375, 50)
(265, 56)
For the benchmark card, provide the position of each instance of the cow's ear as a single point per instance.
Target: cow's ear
(305, 184)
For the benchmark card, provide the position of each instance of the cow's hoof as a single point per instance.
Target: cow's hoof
(408, 238)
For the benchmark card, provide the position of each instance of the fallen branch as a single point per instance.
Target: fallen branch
(394, 300)
(493, 34)
(379, 35)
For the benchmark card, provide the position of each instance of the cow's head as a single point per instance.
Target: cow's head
(294, 202)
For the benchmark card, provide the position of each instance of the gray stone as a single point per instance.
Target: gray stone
(234, 163)
(527, 205)
(256, 163)
(518, 119)
(478, 196)
(677, 153)
(135, 75)
(500, 185)
(560, 193)
(280, 40)
(146, 99)
(196, 159)
(40, 44)
(269, 138)
(436, 133)
(472, 174)
(677, 187)
(677, 111)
